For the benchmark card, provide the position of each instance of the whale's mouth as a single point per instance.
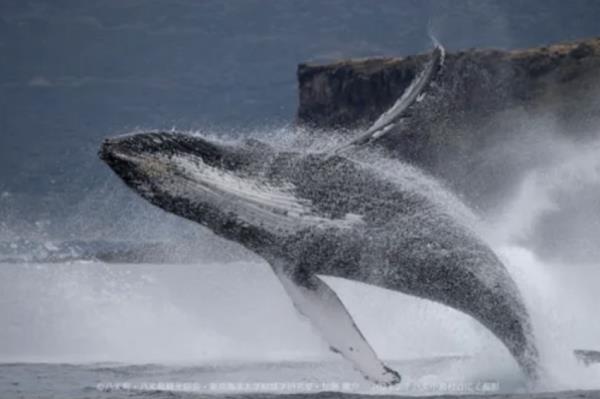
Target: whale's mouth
(121, 151)
(148, 161)
(211, 175)
(206, 174)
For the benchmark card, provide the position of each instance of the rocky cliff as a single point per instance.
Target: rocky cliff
(483, 122)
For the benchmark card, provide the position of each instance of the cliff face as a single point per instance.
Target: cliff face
(483, 121)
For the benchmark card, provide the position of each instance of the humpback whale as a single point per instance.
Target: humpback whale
(314, 214)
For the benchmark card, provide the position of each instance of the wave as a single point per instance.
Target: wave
(30, 251)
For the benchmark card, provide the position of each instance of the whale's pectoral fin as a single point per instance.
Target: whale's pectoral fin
(319, 303)
(414, 93)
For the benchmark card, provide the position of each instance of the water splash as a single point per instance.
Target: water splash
(561, 292)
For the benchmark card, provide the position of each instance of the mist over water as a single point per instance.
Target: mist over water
(560, 286)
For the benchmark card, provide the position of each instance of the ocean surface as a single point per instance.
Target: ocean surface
(266, 380)
(104, 296)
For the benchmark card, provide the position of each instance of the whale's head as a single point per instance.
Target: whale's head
(218, 185)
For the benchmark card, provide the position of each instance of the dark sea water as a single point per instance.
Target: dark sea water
(103, 296)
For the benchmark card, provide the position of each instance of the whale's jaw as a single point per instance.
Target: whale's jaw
(128, 155)
(189, 176)
(215, 185)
